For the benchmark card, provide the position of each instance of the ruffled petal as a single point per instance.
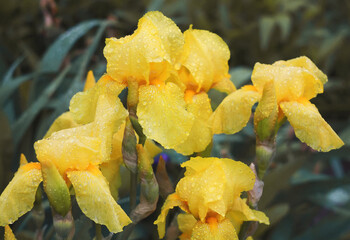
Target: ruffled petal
(9, 234)
(64, 121)
(162, 114)
(172, 201)
(83, 104)
(68, 149)
(291, 82)
(213, 184)
(204, 190)
(306, 63)
(156, 39)
(95, 200)
(234, 111)
(206, 56)
(216, 231)
(310, 127)
(201, 133)
(19, 195)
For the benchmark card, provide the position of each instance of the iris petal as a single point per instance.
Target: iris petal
(201, 134)
(291, 82)
(162, 114)
(206, 56)
(172, 201)
(156, 39)
(234, 111)
(19, 195)
(95, 200)
(221, 231)
(310, 127)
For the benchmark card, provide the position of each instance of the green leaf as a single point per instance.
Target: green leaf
(9, 73)
(329, 228)
(25, 120)
(6, 151)
(332, 43)
(266, 25)
(54, 56)
(275, 214)
(8, 89)
(284, 22)
(278, 179)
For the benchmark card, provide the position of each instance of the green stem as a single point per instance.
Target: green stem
(133, 189)
(265, 153)
(98, 231)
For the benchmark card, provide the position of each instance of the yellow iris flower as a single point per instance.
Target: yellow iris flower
(292, 84)
(148, 57)
(210, 195)
(174, 72)
(76, 154)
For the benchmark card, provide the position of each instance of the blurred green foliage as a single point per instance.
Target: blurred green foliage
(47, 47)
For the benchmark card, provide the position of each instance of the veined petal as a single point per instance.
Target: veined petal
(162, 114)
(9, 234)
(172, 201)
(69, 152)
(201, 133)
(306, 63)
(234, 111)
(223, 230)
(310, 127)
(291, 82)
(157, 38)
(95, 200)
(206, 56)
(19, 195)
(64, 121)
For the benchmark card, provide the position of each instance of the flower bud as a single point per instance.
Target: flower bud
(266, 114)
(56, 188)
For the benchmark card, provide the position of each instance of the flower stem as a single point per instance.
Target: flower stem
(98, 231)
(265, 153)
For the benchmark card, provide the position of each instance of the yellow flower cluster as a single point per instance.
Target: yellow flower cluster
(168, 74)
